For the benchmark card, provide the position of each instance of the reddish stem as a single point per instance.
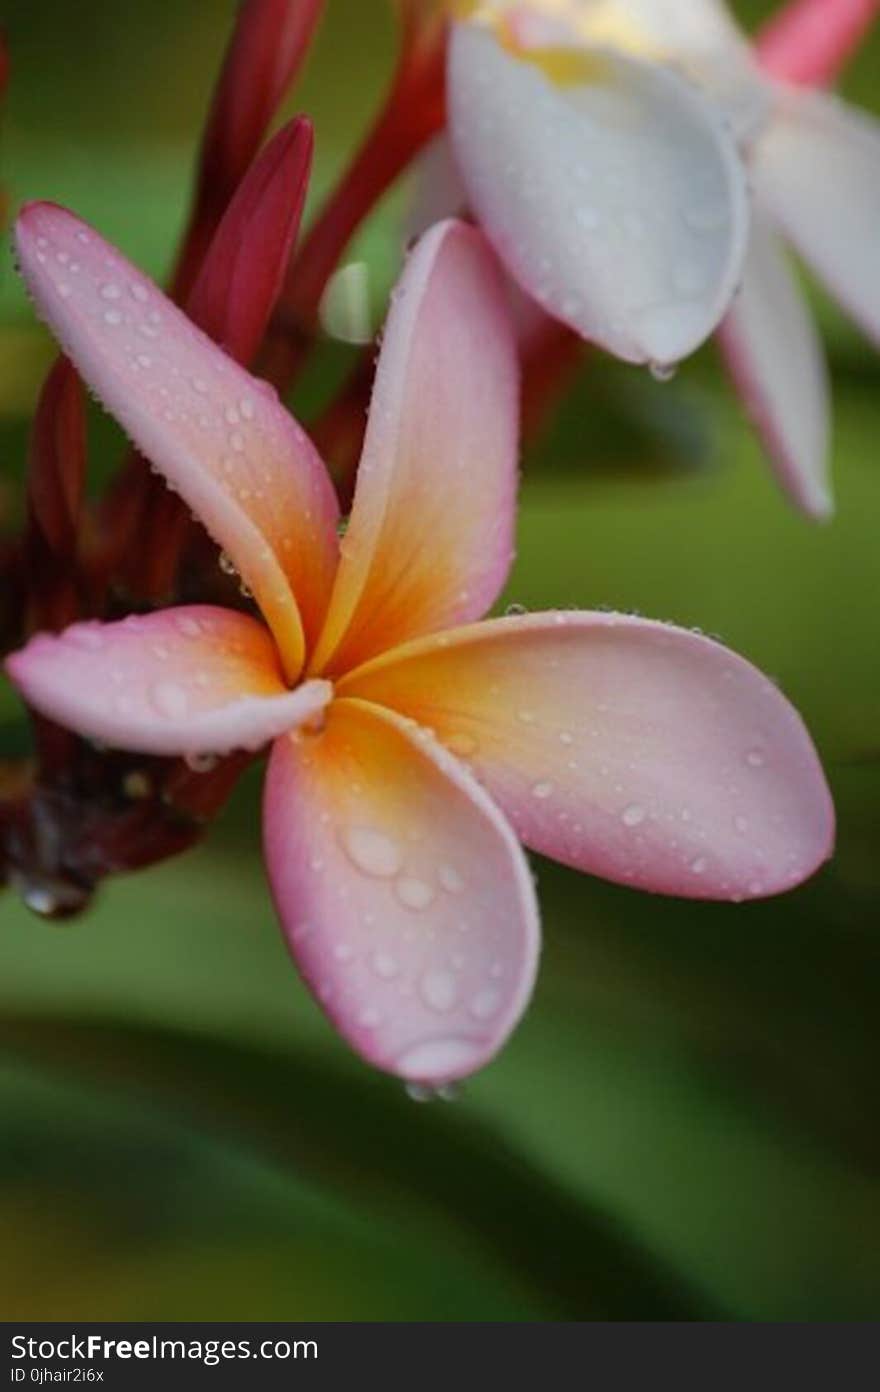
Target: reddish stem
(413, 112)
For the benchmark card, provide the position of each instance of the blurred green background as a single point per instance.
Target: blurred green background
(685, 1126)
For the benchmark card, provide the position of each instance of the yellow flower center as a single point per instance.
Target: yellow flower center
(598, 23)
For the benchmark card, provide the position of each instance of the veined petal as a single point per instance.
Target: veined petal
(404, 895)
(817, 171)
(634, 750)
(776, 359)
(193, 680)
(430, 539)
(609, 187)
(219, 437)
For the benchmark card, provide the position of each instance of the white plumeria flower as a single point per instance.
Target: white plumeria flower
(607, 148)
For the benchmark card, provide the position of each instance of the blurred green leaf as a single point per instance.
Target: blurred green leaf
(439, 1176)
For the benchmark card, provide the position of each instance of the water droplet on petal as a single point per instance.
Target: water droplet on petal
(439, 1060)
(372, 852)
(450, 879)
(170, 699)
(86, 636)
(755, 758)
(663, 372)
(485, 1003)
(385, 965)
(542, 791)
(633, 815)
(414, 893)
(439, 989)
(462, 745)
(201, 763)
(110, 291)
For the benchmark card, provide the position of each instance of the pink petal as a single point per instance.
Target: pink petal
(219, 436)
(808, 41)
(776, 360)
(634, 750)
(405, 898)
(194, 680)
(430, 539)
(617, 200)
(817, 172)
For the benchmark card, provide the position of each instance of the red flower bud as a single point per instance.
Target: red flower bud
(809, 41)
(55, 481)
(244, 268)
(267, 47)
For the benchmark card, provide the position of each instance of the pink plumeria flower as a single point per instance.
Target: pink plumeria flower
(603, 146)
(412, 746)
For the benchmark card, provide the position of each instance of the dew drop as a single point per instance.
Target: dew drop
(439, 1059)
(170, 699)
(450, 879)
(439, 989)
(699, 866)
(462, 745)
(663, 372)
(414, 893)
(189, 627)
(485, 1003)
(86, 636)
(110, 291)
(226, 564)
(112, 316)
(542, 791)
(384, 965)
(755, 758)
(372, 852)
(201, 763)
(418, 1092)
(633, 815)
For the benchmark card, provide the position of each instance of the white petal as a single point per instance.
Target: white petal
(776, 359)
(619, 203)
(436, 192)
(817, 170)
